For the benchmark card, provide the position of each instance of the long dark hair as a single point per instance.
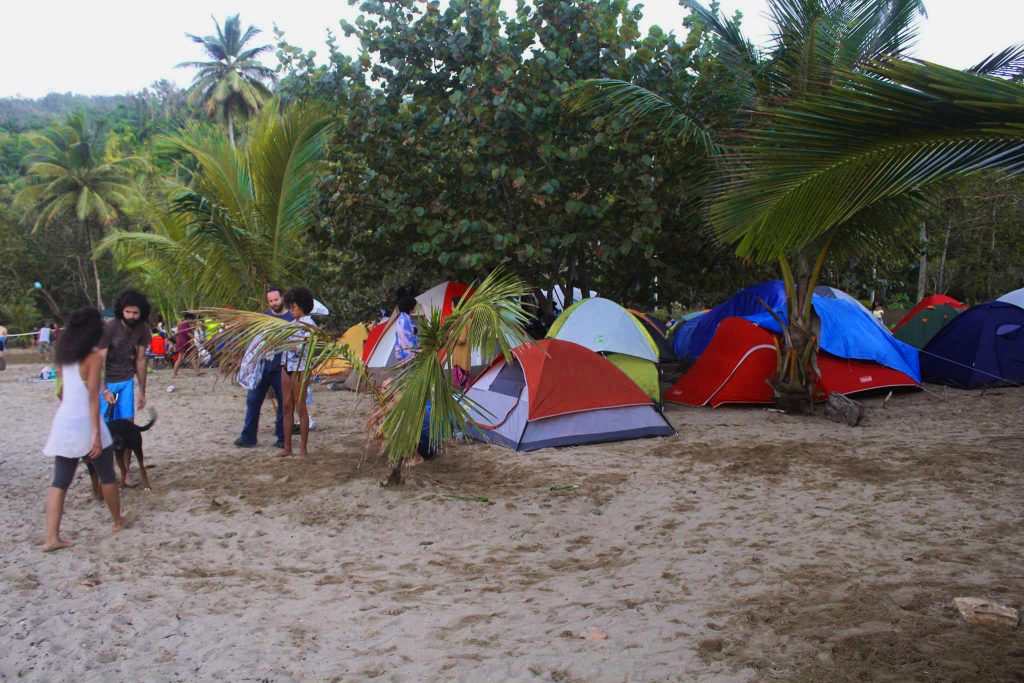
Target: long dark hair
(132, 297)
(80, 337)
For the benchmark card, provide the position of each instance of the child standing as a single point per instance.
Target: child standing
(77, 430)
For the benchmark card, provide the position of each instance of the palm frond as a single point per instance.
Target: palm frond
(1008, 63)
(634, 105)
(811, 166)
(491, 319)
(243, 336)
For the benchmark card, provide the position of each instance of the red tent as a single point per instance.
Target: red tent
(928, 301)
(380, 344)
(741, 358)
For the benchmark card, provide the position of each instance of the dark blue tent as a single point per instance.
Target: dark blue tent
(694, 335)
(982, 347)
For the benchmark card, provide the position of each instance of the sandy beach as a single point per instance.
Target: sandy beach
(752, 546)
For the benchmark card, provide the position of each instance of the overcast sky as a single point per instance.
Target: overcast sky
(116, 46)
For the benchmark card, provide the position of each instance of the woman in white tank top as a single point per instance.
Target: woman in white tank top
(77, 430)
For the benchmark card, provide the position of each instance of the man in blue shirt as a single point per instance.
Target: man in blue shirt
(271, 380)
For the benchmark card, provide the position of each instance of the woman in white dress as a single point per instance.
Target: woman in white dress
(77, 430)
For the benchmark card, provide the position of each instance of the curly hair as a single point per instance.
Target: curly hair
(80, 336)
(301, 297)
(132, 297)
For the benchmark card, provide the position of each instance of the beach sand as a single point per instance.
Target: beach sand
(752, 546)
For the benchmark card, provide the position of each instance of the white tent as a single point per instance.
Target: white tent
(1016, 297)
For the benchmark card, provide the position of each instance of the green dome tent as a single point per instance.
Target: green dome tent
(609, 329)
(926, 319)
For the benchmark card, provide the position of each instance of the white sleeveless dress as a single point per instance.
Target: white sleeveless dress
(71, 433)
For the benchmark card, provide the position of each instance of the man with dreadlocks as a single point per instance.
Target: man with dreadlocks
(124, 340)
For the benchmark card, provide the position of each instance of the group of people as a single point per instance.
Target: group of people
(103, 371)
(98, 364)
(285, 374)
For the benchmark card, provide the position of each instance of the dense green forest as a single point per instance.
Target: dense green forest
(444, 148)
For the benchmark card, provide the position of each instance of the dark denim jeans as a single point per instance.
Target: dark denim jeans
(254, 403)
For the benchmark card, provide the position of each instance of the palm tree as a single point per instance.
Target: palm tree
(828, 59)
(492, 318)
(231, 85)
(242, 222)
(842, 167)
(67, 174)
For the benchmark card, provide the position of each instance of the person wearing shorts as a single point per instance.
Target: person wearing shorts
(77, 432)
(124, 340)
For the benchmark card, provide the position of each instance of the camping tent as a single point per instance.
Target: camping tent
(928, 302)
(848, 330)
(925, 319)
(606, 327)
(657, 331)
(354, 337)
(557, 393)
(741, 358)
(693, 337)
(982, 347)
(441, 297)
(827, 292)
(378, 352)
(1016, 297)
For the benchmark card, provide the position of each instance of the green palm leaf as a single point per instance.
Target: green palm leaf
(815, 165)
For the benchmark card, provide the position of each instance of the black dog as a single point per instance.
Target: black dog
(127, 437)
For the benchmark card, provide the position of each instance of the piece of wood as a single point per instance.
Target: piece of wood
(839, 408)
(980, 610)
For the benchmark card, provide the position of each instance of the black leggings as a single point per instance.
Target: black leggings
(64, 468)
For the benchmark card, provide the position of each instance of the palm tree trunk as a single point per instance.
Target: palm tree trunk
(231, 129)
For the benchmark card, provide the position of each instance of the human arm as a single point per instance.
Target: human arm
(93, 364)
(140, 372)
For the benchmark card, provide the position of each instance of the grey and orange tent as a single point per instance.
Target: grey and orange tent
(558, 393)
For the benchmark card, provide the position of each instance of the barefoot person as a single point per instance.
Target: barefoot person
(300, 304)
(77, 430)
(124, 340)
(3, 346)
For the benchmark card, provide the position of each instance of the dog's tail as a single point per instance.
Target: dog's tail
(149, 424)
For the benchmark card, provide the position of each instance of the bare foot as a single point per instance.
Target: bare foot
(302, 453)
(56, 545)
(125, 484)
(417, 460)
(283, 454)
(97, 496)
(126, 521)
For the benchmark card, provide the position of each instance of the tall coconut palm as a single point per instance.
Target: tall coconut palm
(243, 220)
(231, 86)
(828, 59)
(66, 173)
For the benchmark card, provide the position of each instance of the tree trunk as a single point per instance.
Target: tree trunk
(231, 129)
(941, 286)
(95, 268)
(567, 299)
(797, 370)
(584, 275)
(922, 273)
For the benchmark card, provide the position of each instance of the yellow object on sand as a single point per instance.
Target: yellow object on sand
(355, 337)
